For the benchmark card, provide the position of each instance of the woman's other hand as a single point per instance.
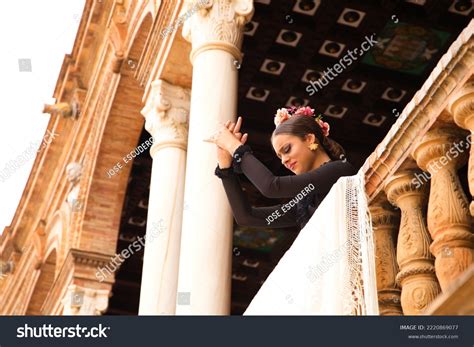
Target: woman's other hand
(224, 156)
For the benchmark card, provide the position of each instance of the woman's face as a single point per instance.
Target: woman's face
(294, 152)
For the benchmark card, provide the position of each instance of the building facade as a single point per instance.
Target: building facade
(154, 78)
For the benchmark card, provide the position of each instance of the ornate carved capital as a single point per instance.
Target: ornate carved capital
(82, 301)
(167, 115)
(461, 106)
(216, 24)
(442, 147)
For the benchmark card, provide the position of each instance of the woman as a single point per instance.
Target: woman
(301, 141)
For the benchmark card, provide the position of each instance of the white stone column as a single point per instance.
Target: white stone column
(166, 113)
(215, 32)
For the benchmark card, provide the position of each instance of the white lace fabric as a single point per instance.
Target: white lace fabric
(330, 267)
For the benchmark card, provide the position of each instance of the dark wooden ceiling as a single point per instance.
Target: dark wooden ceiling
(287, 44)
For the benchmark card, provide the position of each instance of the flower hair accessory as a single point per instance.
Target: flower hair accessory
(283, 114)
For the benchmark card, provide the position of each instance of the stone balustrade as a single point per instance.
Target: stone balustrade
(420, 198)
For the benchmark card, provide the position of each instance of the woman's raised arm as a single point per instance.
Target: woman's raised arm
(289, 186)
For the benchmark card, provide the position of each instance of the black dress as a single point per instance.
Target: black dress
(306, 190)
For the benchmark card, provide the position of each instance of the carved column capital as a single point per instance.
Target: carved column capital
(167, 115)
(461, 106)
(82, 301)
(441, 147)
(216, 24)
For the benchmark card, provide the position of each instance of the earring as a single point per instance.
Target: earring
(313, 146)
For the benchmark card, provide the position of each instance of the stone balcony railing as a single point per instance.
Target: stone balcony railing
(422, 217)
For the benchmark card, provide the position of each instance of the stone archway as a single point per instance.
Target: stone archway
(120, 136)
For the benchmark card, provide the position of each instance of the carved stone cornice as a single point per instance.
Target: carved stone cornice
(88, 259)
(167, 115)
(216, 24)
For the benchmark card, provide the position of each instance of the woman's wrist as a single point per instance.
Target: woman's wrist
(224, 165)
(223, 172)
(233, 146)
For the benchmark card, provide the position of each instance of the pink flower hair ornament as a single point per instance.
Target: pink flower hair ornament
(283, 114)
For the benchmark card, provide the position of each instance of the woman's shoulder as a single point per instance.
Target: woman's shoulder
(340, 165)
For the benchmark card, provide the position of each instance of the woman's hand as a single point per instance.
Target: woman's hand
(224, 156)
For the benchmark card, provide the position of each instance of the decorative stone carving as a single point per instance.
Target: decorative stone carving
(65, 109)
(385, 223)
(167, 115)
(74, 172)
(217, 25)
(80, 301)
(6, 267)
(417, 272)
(449, 220)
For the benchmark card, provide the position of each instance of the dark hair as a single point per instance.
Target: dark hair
(301, 126)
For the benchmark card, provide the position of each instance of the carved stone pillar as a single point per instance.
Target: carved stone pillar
(80, 301)
(216, 33)
(417, 272)
(385, 223)
(449, 221)
(166, 113)
(462, 109)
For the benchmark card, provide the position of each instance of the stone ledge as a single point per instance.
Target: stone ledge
(457, 299)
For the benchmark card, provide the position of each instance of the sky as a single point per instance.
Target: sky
(35, 37)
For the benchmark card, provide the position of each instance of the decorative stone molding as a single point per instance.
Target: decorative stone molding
(6, 268)
(218, 24)
(449, 220)
(73, 173)
(167, 115)
(82, 301)
(80, 267)
(385, 223)
(416, 276)
(118, 29)
(462, 109)
(40, 243)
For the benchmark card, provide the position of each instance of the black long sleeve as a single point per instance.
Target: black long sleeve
(247, 215)
(323, 178)
(319, 181)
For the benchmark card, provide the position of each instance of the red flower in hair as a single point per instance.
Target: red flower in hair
(284, 114)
